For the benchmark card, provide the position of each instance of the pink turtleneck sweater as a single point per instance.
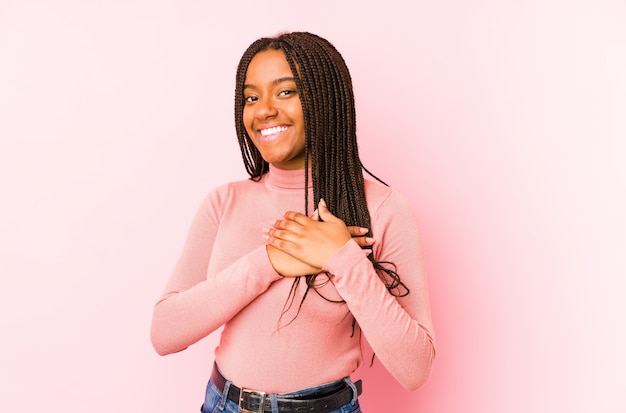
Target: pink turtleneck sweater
(224, 278)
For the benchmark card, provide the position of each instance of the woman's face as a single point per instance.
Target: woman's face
(272, 112)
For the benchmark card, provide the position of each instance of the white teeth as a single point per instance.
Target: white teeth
(271, 131)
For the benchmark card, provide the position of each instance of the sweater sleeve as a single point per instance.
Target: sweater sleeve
(192, 305)
(399, 329)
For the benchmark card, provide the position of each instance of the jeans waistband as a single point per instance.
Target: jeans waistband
(326, 399)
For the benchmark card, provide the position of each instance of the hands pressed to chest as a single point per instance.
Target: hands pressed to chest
(299, 245)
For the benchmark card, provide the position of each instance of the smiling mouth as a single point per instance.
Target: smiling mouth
(272, 134)
(273, 131)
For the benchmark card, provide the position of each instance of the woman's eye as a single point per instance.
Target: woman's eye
(286, 92)
(249, 99)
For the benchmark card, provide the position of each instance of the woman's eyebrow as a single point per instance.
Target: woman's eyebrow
(274, 82)
(284, 79)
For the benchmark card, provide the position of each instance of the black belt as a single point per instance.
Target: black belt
(253, 401)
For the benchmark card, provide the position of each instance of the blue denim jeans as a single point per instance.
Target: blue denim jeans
(216, 402)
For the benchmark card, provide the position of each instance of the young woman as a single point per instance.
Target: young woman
(306, 263)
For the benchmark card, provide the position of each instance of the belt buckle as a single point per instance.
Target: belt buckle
(261, 394)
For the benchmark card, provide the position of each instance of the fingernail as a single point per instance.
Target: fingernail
(364, 230)
(323, 202)
(368, 252)
(369, 240)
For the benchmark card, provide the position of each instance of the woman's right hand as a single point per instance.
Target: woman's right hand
(289, 266)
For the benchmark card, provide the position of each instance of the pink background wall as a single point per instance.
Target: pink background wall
(502, 121)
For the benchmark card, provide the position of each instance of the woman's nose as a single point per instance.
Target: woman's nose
(265, 108)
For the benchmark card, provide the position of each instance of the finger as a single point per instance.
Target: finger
(296, 217)
(283, 224)
(277, 238)
(273, 234)
(357, 231)
(364, 241)
(285, 244)
(292, 225)
(280, 244)
(325, 214)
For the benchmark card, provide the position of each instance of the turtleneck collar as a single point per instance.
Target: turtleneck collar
(292, 179)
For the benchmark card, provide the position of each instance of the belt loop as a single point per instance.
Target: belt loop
(274, 402)
(355, 393)
(224, 395)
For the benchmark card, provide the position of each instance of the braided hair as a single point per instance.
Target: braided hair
(325, 89)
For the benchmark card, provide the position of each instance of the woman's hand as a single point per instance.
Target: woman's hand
(308, 241)
(287, 265)
(359, 236)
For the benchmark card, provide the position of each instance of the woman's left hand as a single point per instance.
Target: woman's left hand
(307, 239)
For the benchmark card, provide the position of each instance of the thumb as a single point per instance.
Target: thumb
(324, 213)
